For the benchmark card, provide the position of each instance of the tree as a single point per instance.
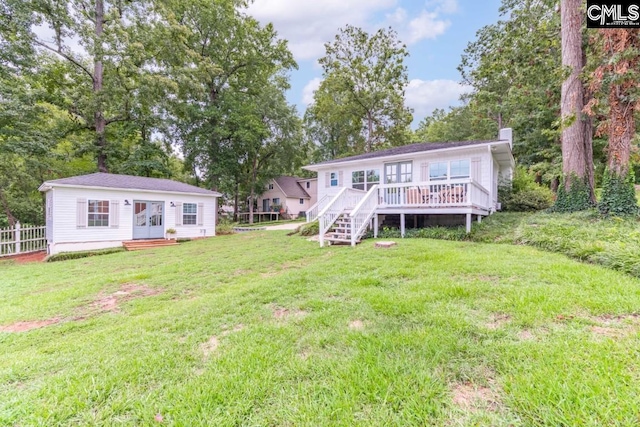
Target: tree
(577, 164)
(616, 80)
(368, 76)
(458, 124)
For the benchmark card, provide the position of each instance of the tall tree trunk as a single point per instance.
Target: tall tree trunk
(100, 122)
(622, 103)
(572, 97)
(235, 201)
(588, 137)
(369, 146)
(254, 175)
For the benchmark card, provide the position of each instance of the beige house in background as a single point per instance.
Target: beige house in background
(289, 194)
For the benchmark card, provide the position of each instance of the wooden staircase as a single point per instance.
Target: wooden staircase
(137, 245)
(340, 231)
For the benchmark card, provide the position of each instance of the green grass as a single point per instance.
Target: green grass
(335, 336)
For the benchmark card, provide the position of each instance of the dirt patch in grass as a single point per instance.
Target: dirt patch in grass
(210, 346)
(474, 398)
(497, 321)
(29, 325)
(27, 258)
(285, 313)
(239, 327)
(526, 335)
(126, 292)
(356, 325)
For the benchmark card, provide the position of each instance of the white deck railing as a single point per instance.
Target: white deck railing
(451, 193)
(362, 214)
(20, 240)
(346, 199)
(313, 212)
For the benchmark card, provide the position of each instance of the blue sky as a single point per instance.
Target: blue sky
(436, 32)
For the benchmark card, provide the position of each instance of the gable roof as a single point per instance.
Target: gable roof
(291, 187)
(408, 149)
(127, 182)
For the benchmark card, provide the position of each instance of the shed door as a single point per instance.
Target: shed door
(148, 220)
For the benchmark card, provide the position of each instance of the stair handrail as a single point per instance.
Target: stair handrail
(320, 204)
(328, 216)
(362, 213)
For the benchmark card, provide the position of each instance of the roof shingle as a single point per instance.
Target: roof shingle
(291, 187)
(129, 182)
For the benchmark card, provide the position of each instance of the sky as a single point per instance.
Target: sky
(435, 31)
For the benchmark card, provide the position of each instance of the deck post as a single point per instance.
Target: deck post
(468, 223)
(375, 226)
(479, 219)
(402, 224)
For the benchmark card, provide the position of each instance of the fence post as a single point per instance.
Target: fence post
(17, 237)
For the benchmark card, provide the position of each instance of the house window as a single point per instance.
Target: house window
(460, 169)
(396, 173)
(334, 179)
(270, 186)
(308, 185)
(276, 201)
(302, 201)
(364, 180)
(438, 171)
(98, 211)
(189, 214)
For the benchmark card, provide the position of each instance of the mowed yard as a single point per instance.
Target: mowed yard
(262, 329)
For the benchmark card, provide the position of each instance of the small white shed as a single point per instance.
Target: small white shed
(103, 210)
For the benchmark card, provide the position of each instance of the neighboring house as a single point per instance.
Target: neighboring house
(103, 210)
(290, 194)
(424, 184)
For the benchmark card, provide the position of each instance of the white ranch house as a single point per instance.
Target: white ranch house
(102, 210)
(429, 183)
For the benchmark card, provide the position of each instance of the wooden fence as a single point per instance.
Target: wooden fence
(21, 240)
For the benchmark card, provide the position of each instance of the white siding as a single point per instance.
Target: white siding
(67, 236)
(481, 152)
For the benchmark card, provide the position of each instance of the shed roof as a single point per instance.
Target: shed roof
(127, 182)
(291, 188)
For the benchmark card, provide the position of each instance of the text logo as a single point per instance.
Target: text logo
(613, 14)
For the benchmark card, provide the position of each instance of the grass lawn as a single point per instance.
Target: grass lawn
(261, 329)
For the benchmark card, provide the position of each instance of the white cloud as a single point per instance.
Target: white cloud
(309, 90)
(426, 26)
(309, 24)
(424, 96)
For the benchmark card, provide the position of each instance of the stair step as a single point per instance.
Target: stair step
(137, 245)
(333, 239)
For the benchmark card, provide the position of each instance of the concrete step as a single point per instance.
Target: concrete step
(136, 245)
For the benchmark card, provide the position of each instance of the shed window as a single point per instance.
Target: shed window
(98, 213)
(189, 214)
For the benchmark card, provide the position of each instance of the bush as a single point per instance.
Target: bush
(225, 226)
(523, 194)
(64, 256)
(310, 229)
(618, 195)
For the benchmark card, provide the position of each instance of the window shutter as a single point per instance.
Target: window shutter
(81, 213)
(178, 213)
(114, 214)
(424, 172)
(200, 213)
(476, 169)
(340, 180)
(327, 179)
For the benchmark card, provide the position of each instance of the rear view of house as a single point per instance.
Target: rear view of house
(290, 195)
(104, 210)
(418, 184)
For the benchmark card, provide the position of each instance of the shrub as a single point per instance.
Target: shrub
(225, 226)
(618, 195)
(310, 229)
(64, 256)
(523, 194)
(577, 198)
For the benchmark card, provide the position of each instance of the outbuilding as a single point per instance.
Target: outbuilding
(102, 210)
